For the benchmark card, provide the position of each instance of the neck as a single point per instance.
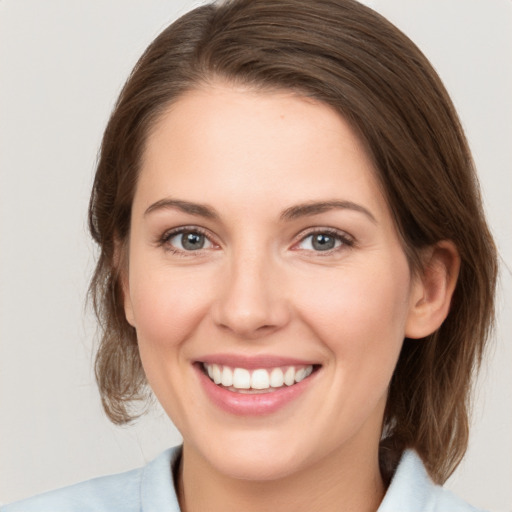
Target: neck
(338, 482)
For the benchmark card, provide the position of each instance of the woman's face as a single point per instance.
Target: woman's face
(263, 252)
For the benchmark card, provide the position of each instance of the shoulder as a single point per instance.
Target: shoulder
(114, 492)
(412, 489)
(126, 492)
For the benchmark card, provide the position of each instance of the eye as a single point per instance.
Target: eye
(187, 240)
(322, 241)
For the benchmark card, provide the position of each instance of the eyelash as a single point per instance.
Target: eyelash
(346, 240)
(169, 235)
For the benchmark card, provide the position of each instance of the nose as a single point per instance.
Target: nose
(251, 302)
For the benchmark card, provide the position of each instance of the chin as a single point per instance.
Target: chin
(255, 458)
(259, 467)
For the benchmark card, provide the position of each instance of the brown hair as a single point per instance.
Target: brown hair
(343, 54)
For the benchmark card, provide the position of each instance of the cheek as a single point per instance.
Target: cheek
(359, 316)
(167, 305)
(359, 313)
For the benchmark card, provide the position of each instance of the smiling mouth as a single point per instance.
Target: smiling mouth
(257, 381)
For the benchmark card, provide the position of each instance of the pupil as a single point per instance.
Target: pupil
(322, 242)
(192, 241)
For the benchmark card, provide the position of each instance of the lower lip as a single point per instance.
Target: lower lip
(254, 404)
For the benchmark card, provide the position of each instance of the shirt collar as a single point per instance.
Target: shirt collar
(411, 488)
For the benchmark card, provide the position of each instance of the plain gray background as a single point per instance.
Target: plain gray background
(62, 64)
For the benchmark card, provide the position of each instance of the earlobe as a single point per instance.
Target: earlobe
(433, 289)
(121, 264)
(127, 303)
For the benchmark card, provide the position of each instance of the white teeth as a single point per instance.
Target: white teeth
(260, 379)
(303, 373)
(300, 374)
(276, 378)
(289, 376)
(227, 376)
(217, 375)
(241, 378)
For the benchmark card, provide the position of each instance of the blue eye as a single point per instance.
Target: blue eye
(322, 241)
(188, 240)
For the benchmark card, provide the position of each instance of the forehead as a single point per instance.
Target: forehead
(219, 143)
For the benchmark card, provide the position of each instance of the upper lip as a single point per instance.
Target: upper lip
(253, 362)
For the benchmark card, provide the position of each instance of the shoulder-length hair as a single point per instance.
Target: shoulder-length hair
(345, 55)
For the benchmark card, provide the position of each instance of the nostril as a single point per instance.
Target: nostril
(249, 305)
(247, 325)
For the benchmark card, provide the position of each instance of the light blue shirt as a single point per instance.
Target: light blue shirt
(151, 489)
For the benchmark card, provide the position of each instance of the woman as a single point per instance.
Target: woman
(295, 259)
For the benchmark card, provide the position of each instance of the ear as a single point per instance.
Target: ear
(121, 266)
(432, 290)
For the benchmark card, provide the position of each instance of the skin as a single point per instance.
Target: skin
(258, 286)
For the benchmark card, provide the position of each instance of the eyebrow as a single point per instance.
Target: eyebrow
(294, 212)
(314, 208)
(200, 210)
